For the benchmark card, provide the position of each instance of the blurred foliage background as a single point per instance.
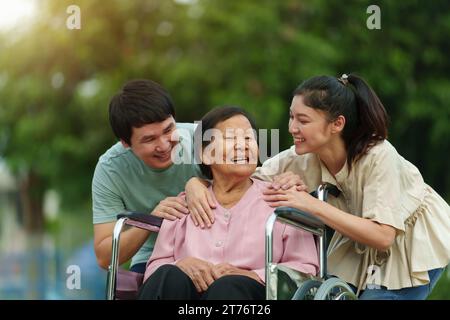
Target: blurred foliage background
(55, 83)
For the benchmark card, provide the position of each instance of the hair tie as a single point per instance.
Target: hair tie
(343, 79)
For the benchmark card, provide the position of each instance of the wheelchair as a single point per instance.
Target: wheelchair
(281, 282)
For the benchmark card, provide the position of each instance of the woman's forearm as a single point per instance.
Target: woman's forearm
(359, 229)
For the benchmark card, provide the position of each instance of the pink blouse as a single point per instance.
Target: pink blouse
(236, 237)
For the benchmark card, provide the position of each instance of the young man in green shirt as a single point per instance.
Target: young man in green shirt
(144, 171)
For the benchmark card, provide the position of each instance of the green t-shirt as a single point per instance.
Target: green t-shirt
(122, 182)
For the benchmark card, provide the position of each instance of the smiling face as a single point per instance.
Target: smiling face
(233, 151)
(309, 127)
(153, 143)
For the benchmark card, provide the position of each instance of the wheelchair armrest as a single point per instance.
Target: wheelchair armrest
(300, 217)
(142, 220)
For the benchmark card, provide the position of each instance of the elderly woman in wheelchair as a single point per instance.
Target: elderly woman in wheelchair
(226, 261)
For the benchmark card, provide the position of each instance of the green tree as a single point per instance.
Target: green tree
(55, 83)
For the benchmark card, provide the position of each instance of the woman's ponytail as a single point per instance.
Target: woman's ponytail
(372, 119)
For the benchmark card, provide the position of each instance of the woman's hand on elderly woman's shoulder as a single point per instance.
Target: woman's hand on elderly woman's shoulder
(292, 197)
(287, 180)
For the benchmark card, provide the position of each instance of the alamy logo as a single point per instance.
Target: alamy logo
(233, 146)
(374, 20)
(73, 281)
(74, 20)
(373, 277)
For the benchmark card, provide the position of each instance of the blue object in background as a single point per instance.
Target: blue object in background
(41, 274)
(93, 278)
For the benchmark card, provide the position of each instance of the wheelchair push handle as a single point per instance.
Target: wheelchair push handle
(141, 218)
(300, 218)
(323, 190)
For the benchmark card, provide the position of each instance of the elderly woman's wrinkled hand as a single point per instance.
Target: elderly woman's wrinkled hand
(200, 272)
(225, 269)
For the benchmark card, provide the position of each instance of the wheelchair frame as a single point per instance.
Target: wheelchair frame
(135, 219)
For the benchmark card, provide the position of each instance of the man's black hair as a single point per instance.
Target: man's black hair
(140, 102)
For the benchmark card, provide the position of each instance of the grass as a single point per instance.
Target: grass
(442, 289)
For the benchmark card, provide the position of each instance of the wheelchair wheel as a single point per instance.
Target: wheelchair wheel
(307, 290)
(335, 289)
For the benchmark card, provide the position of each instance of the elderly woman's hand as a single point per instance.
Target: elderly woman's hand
(200, 272)
(287, 180)
(225, 269)
(199, 202)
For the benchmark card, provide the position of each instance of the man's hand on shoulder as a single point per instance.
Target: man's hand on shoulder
(171, 208)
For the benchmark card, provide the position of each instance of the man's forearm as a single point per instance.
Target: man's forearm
(131, 241)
